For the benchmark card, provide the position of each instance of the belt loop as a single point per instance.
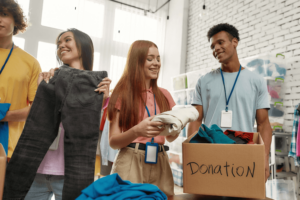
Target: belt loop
(136, 147)
(162, 146)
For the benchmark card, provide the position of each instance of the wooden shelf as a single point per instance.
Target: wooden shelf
(282, 134)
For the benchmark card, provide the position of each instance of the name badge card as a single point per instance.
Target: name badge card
(226, 119)
(151, 153)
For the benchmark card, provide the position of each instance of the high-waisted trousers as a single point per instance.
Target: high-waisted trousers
(69, 97)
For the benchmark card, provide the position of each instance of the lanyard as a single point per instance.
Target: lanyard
(152, 140)
(154, 106)
(227, 100)
(7, 58)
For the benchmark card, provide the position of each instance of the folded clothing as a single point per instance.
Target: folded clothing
(275, 112)
(4, 132)
(176, 120)
(112, 187)
(240, 137)
(211, 135)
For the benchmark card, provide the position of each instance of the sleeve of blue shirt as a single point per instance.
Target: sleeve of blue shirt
(197, 97)
(263, 95)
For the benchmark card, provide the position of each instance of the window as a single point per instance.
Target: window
(117, 65)
(47, 56)
(25, 6)
(129, 27)
(59, 14)
(86, 16)
(90, 19)
(20, 42)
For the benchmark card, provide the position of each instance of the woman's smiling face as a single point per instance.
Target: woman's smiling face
(66, 48)
(152, 63)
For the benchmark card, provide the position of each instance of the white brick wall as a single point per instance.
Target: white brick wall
(269, 25)
(264, 26)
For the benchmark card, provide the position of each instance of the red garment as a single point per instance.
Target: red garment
(243, 135)
(103, 119)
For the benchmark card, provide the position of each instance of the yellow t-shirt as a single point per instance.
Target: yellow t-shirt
(18, 85)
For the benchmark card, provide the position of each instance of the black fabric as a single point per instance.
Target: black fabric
(143, 147)
(69, 97)
(238, 140)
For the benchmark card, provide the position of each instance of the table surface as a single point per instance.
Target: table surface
(204, 197)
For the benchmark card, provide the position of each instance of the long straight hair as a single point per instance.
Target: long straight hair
(130, 90)
(84, 46)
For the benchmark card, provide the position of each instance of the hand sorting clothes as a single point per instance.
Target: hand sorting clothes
(112, 187)
(215, 135)
(176, 120)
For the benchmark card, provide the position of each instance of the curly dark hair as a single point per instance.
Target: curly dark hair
(16, 11)
(232, 32)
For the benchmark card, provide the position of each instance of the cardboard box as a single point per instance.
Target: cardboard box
(2, 169)
(231, 170)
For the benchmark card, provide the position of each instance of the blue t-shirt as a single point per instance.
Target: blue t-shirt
(250, 94)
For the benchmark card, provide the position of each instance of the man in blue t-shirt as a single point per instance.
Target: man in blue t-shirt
(231, 96)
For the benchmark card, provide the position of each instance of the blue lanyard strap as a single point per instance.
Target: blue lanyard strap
(154, 106)
(7, 58)
(152, 139)
(227, 100)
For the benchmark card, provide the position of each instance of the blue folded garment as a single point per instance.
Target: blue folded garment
(4, 107)
(211, 135)
(112, 187)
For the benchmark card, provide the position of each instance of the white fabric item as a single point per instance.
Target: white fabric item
(107, 153)
(176, 120)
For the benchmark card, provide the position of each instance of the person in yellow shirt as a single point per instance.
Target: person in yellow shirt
(18, 77)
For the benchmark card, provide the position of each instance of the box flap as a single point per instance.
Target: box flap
(189, 138)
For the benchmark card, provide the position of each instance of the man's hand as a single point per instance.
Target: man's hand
(17, 115)
(265, 130)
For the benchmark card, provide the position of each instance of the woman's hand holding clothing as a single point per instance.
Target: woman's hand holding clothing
(147, 128)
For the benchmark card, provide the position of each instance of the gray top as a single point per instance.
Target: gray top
(250, 94)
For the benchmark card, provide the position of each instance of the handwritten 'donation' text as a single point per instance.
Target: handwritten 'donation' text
(220, 169)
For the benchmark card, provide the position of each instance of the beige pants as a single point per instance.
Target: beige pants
(130, 165)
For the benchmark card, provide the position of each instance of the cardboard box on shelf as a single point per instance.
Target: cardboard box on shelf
(179, 82)
(232, 170)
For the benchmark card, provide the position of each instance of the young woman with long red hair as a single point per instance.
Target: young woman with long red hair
(134, 102)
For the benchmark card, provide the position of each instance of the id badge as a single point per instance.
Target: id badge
(226, 119)
(151, 152)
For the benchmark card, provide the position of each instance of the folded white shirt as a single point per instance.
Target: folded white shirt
(176, 120)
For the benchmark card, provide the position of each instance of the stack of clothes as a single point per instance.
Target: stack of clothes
(215, 135)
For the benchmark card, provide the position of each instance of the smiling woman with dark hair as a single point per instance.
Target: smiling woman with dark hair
(84, 46)
(56, 173)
